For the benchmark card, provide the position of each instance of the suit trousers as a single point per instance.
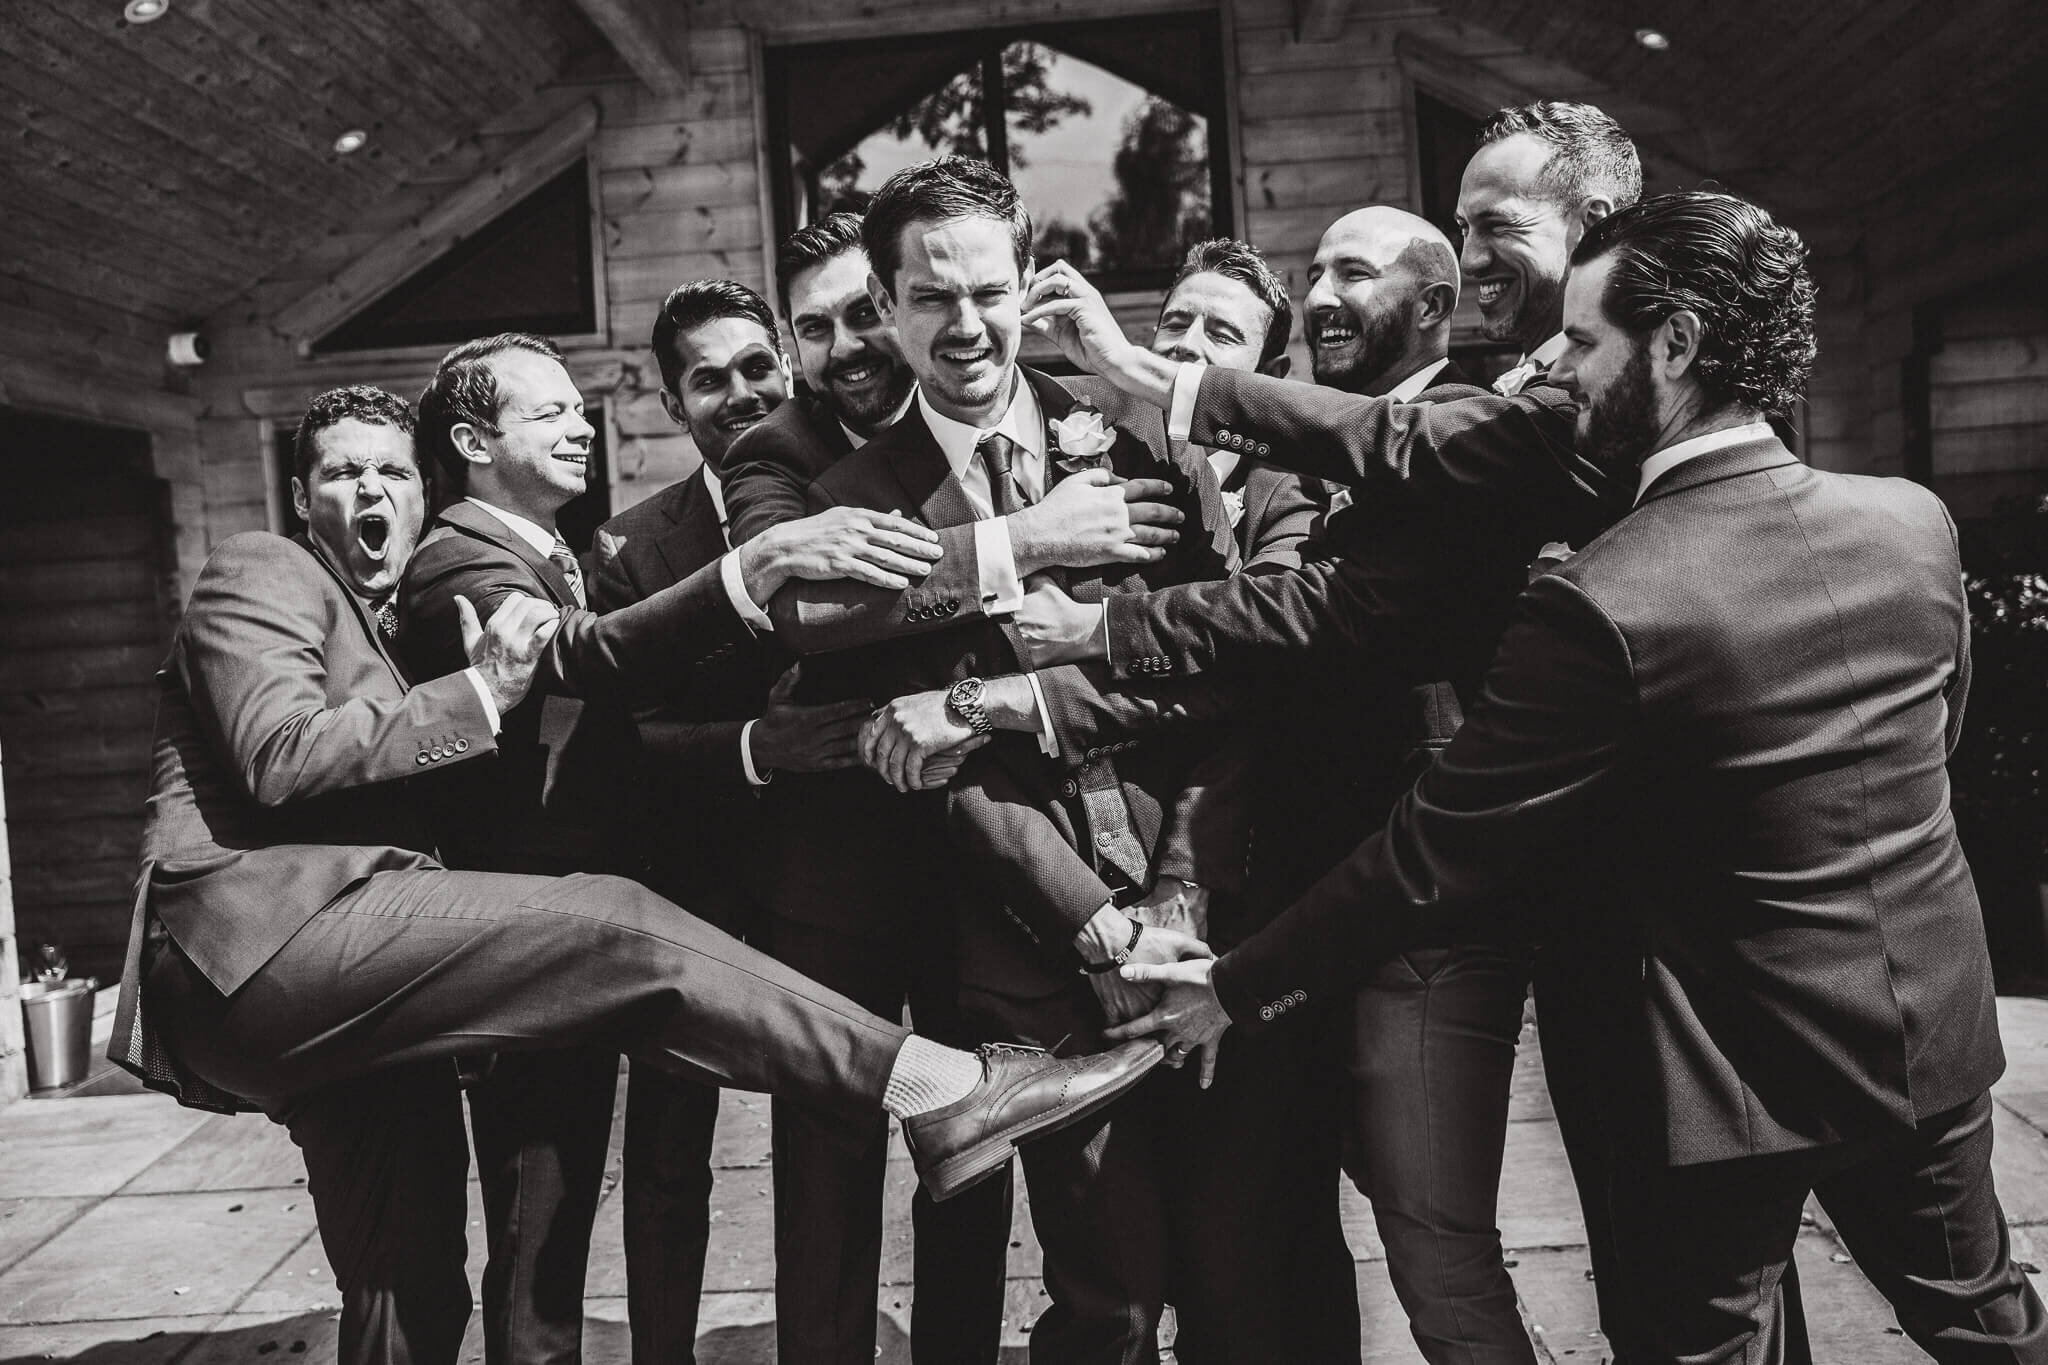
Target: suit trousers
(1434, 1054)
(830, 1170)
(1915, 1207)
(347, 1037)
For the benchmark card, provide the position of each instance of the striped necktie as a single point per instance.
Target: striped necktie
(563, 558)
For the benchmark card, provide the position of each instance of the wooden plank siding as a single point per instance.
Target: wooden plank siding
(1988, 398)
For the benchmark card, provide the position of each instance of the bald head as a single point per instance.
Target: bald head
(1381, 293)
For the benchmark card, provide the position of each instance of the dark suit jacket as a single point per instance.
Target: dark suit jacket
(287, 735)
(549, 803)
(696, 820)
(1725, 722)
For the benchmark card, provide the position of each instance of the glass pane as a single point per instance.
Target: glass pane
(951, 119)
(1116, 177)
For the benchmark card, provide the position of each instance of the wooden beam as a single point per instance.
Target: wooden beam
(651, 35)
(392, 258)
(1319, 21)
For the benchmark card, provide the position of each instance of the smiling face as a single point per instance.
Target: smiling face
(363, 502)
(1212, 318)
(956, 307)
(540, 456)
(1607, 372)
(1518, 240)
(1360, 304)
(731, 376)
(845, 351)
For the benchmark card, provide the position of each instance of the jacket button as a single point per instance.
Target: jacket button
(1070, 788)
(422, 759)
(1266, 1013)
(436, 752)
(1104, 839)
(461, 746)
(1265, 449)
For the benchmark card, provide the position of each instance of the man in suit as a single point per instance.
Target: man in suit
(1719, 734)
(716, 751)
(296, 950)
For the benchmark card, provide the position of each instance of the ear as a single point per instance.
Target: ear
(788, 375)
(1435, 304)
(879, 292)
(300, 503)
(673, 406)
(1278, 366)
(1675, 345)
(469, 443)
(1590, 211)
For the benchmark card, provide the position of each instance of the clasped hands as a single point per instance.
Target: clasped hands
(1163, 992)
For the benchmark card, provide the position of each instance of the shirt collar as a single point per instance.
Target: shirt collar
(1022, 422)
(532, 532)
(894, 417)
(1405, 391)
(716, 489)
(1672, 456)
(1546, 355)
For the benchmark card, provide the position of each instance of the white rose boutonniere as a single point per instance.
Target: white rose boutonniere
(1233, 503)
(1083, 440)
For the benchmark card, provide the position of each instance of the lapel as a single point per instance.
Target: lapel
(468, 517)
(920, 466)
(361, 609)
(1751, 457)
(692, 531)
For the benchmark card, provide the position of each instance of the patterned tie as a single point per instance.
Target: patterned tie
(996, 451)
(563, 558)
(387, 619)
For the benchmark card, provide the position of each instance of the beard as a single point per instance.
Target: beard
(867, 408)
(1381, 339)
(1618, 428)
(1535, 321)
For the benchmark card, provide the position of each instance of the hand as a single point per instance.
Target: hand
(1065, 309)
(1188, 1018)
(506, 652)
(1177, 905)
(944, 765)
(1093, 518)
(881, 549)
(1052, 628)
(806, 739)
(903, 735)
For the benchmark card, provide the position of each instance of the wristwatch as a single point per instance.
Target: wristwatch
(963, 702)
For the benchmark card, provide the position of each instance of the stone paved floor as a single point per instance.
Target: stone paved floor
(133, 1232)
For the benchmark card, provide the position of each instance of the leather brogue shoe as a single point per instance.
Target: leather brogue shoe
(1024, 1093)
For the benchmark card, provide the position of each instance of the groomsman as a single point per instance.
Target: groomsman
(1717, 736)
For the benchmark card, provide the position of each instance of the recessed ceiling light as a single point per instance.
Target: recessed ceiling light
(1654, 39)
(350, 141)
(145, 11)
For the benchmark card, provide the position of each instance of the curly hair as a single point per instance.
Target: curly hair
(1590, 154)
(464, 389)
(357, 403)
(830, 237)
(940, 190)
(1742, 273)
(696, 303)
(1241, 261)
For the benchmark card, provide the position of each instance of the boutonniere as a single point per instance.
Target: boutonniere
(1552, 556)
(1233, 503)
(1082, 438)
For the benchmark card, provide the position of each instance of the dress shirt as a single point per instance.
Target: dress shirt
(1405, 391)
(1672, 456)
(1023, 421)
(542, 539)
(716, 489)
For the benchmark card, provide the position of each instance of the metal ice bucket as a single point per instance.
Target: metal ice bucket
(58, 1019)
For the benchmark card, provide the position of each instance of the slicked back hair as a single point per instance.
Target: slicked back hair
(833, 235)
(464, 389)
(1728, 262)
(939, 191)
(1242, 262)
(1589, 152)
(696, 303)
(356, 402)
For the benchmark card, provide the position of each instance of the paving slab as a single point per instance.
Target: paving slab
(1847, 1321)
(134, 1341)
(26, 1224)
(89, 1146)
(2023, 1026)
(1539, 1204)
(225, 1152)
(144, 1255)
(301, 1338)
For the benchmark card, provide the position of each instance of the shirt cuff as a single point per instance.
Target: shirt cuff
(736, 589)
(1180, 411)
(1047, 740)
(483, 694)
(1002, 592)
(1100, 632)
(755, 778)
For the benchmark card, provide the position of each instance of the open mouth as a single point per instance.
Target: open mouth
(1492, 292)
(579, 458)
(744, 420)
(854, 376)
(1332, 334)
(373, 534)
(972, 356)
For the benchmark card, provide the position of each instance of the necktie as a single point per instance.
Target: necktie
(995, 451)
(387, 619)
(565, 560)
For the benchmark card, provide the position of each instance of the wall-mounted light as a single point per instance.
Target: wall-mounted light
(350, 141)
(145, 11)
(1654, 39)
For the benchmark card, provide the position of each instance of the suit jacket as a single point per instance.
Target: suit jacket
(1724, 724)
(550, 801)
(696, 821)
(288, 738)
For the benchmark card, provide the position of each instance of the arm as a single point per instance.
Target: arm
(252, 660)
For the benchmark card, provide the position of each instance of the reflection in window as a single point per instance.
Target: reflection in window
(1106, 129)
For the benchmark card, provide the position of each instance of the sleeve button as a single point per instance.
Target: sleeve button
(461, 746)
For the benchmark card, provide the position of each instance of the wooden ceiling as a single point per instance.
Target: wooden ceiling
(165, 166)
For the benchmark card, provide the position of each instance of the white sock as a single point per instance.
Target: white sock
(927, 1077)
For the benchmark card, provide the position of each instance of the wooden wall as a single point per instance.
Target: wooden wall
(1988, 396)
